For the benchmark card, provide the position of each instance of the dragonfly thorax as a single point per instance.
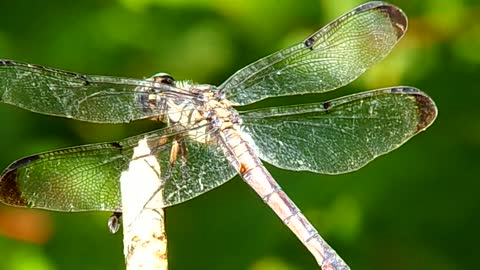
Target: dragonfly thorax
(202, 112)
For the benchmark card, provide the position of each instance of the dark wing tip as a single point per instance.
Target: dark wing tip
(427, 110)
(397, 16)
(9, 190)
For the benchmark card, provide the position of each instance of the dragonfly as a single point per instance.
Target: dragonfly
(206, 139)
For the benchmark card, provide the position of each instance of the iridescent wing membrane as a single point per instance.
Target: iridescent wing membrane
(331, 137)
(86, 178)
(330, 58)
(341, 135)
(99, 99)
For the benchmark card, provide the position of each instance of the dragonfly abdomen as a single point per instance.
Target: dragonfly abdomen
(243, 158)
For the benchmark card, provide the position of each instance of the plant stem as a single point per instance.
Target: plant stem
(144, 237)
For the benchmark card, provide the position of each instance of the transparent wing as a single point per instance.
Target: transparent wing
(98, 99)
(332, 57)
(87, 178)
(341, 135)
(203, 168)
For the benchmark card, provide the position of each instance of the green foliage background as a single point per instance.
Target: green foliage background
(416, 208)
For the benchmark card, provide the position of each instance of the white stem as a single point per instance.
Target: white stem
(144, 237)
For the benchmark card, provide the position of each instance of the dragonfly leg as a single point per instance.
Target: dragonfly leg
(178, 149)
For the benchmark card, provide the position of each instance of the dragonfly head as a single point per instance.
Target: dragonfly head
(164, 78)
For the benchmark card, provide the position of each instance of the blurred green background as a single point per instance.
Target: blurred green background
(415, 208)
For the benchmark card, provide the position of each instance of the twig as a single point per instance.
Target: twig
(144, 237)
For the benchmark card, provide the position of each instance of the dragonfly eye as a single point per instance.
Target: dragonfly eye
(164, 78)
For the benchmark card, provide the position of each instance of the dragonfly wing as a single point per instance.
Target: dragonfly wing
(87, 178)
(56, 92)
(83, 178)
(341, 135)
(199, 167)
(331, 57)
